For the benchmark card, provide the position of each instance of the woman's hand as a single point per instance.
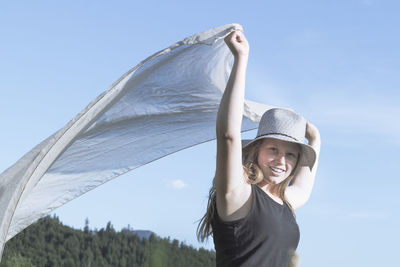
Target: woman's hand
(312, 132)
(237, 43)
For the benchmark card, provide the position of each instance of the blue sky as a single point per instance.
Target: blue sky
(335, 62)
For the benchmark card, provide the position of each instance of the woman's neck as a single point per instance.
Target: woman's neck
(271, 188)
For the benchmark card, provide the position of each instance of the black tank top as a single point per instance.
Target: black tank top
(265, 237)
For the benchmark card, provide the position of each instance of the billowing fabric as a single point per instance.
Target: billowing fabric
(266, 237)
(166, 103)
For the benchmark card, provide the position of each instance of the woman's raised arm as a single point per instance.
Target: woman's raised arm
(300, 190)
(231, 188)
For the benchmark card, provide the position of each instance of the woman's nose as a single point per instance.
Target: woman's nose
(281, 158)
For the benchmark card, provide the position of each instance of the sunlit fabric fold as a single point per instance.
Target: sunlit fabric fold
(166, 103)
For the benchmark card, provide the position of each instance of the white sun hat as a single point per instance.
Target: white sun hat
(286, 125)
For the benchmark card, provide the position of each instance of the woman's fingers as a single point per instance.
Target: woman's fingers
(311, 131)
(235, 36)
(237, 43)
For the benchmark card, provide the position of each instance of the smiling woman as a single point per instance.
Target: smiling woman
(251, 205)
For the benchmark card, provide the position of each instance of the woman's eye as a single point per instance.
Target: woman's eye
(292, 155)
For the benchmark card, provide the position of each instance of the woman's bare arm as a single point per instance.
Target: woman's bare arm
(232, 190)
(299, 191)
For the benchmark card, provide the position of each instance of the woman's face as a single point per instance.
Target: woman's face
(277, 159)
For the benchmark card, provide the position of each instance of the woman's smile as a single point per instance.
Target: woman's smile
(277, 170)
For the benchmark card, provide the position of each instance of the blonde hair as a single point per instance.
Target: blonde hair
(253, 175)
(294, 258)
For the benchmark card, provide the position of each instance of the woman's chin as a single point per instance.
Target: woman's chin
(273, 179)
(276, 180)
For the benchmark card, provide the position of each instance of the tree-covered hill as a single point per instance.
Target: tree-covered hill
(50, 243)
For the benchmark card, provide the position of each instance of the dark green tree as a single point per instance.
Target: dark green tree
(49, 243)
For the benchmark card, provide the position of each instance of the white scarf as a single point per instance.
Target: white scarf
(166, 103)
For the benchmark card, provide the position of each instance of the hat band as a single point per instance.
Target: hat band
(279, 134)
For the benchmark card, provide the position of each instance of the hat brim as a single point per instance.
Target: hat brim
(308, 155)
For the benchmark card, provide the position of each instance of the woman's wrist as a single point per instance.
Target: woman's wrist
(241, 58)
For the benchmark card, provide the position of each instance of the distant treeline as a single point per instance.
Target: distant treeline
(48, 243)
